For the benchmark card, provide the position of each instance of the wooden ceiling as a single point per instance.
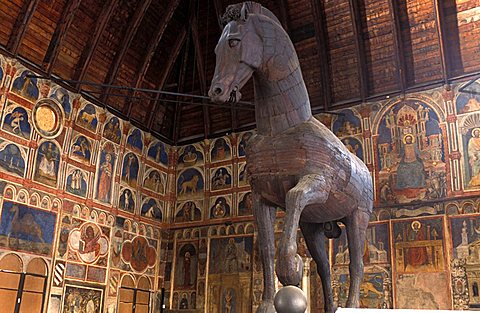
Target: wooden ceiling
(351, 51)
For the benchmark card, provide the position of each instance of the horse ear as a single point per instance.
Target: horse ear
(250, 7)
(244, 11)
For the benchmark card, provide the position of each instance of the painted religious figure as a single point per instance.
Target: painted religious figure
(130, 169)
(87, 118)
(12, 159)
(82, 299)
(242, 174)
(112, 130)
(245, 206)
(105, 173)
(354, 146)
(16, 122)
(347, 124)
(410, 153)
(139, 254)
(221, 178)
(230, 255)
(243, 143)
(135, 140)
(26, 86)
(158, 153)
(89, 242)
(186, 267)
(419, 245)
(27, 229)
(47, 164)
(81, 149)
(127, 201)
(473, 153)
(189, 212)
(76, 183)
(220, 208)
(220, 150)
(155, 181)
(62, 96)
(151, 208)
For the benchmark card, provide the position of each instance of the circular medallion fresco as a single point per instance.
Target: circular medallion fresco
(48, 118)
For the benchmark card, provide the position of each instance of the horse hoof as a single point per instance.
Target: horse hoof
(290, 272)
(266, 307)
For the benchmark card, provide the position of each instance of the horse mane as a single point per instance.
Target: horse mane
(234, 12)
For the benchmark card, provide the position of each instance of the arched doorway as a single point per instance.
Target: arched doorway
(22, 292)
(134, 299)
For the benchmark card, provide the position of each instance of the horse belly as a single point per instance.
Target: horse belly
(337, 206)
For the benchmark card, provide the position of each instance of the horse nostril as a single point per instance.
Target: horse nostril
(217, 91)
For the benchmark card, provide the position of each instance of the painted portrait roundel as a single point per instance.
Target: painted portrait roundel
(48, 118)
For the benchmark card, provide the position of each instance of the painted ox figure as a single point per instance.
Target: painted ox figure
(294, 161)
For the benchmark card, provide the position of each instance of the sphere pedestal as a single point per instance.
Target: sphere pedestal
(290, 299)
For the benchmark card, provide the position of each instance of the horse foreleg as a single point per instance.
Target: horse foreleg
(310, 189)
(265, 219)
(356, 225)
(315, 240)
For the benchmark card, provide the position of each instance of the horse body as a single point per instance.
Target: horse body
(293, 161)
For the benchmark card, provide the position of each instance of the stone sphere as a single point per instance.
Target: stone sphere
(290, 299)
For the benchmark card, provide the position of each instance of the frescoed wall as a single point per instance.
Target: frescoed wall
(423, 150)
(84, 198)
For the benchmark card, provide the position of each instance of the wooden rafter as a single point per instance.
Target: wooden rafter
(218, 11)
(397, 34)
(60, 31)
(284, 15)
(439, 17)
(21, 25)
(87, 53)
(200, 62)
(175, 51)
(181, 85)
(359, 47)
(321, 38)
(132, 28)
(153, 44)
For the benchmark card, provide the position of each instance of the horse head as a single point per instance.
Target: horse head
(239, 52)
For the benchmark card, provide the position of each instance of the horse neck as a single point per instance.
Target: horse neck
(281, 98)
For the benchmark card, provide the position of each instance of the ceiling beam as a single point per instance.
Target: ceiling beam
(175, 51)
(154, 42)
(91, 46)
(219, 12)
(321, 38)
(181, 86)
(132, 28)
(21, 25)
(284, 15)
(59, 34)
(397, 37)
(200, 62)
(439, 18)
(359, 47)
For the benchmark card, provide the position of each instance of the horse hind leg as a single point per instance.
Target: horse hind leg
(356, 225)
(315, 240)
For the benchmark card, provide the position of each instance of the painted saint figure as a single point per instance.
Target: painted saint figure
(474, 157)
(105, 181)
(410, 172)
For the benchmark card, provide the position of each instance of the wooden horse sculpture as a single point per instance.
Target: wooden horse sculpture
(294, 161)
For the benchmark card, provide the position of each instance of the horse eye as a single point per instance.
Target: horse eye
(233, 42)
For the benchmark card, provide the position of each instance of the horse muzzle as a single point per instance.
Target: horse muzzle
(218, 94)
